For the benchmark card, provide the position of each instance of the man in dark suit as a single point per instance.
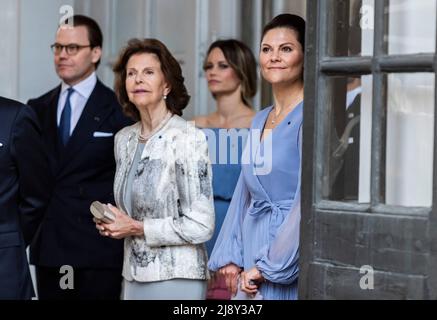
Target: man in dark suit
(24, 194)
(79, 119)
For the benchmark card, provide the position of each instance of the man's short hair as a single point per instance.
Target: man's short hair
(95, 35)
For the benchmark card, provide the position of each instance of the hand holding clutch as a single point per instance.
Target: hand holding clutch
(114, 223)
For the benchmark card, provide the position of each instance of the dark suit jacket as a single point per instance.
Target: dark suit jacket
(24, 194)
(352, 154)
(83, 171)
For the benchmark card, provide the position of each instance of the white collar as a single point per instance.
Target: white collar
(84, 88)
(351, 95)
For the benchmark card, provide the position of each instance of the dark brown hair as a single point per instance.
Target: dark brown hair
(290, 21)
(178, 97)
(95, 36)
(242, 61)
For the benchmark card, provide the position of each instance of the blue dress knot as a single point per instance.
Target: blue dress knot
(263, 206)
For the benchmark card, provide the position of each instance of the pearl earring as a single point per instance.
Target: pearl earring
(164, 97)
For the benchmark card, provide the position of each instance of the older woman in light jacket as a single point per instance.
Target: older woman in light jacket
(162, 185)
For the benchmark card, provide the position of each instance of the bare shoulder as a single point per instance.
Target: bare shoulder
(205, 121)
(245, 120)
(201, 121)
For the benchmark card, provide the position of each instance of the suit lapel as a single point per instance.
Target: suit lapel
(96, 110)
(50, 127)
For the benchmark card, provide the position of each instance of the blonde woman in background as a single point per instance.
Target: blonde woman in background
(230, 69)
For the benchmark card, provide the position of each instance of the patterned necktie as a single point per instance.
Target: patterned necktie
(64, 125)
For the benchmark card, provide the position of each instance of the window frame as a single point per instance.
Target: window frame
(378, 66)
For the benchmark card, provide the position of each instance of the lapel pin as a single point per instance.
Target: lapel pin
(97, 119)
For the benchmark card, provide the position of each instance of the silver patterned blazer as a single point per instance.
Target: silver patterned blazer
(172, 195)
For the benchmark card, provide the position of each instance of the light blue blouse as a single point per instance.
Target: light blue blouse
(261, 227)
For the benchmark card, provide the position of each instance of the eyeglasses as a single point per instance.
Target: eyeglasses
(71, 49)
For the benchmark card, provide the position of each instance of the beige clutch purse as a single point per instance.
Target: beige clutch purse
(102, 212)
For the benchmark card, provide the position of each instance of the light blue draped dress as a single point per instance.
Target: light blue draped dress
(261, 227)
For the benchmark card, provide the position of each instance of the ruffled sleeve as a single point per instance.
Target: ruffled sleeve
(228, 247)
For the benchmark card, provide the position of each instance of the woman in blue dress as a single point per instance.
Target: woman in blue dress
(230, 69)
(258, 247)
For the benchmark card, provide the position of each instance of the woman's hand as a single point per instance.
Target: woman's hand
(230, 272)
(122, 227)
(250, 280)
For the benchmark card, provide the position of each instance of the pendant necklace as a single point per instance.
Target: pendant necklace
(273, 121)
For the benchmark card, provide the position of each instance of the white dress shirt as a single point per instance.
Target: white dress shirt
(351, 95)
(78, 99)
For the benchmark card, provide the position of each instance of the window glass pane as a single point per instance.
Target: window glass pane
(410, 139)
(350, 28)
(346, 169)
(412, 26)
